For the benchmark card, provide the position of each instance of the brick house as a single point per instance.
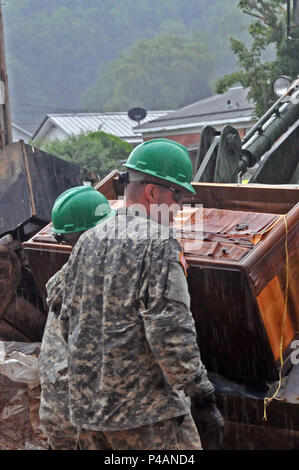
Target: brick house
(185, 124)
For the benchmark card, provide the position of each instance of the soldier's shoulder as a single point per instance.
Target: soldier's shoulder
(167, 246)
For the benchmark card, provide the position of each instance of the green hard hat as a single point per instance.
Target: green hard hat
(78, 209)
(165, 159)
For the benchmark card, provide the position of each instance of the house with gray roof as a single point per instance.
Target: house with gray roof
(185, 124)
(62, 126)
(19, 133)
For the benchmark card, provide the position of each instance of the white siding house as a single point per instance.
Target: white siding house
(61, 126)
(18, 133)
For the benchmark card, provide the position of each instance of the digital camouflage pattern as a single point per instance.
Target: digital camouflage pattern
(177, 433)
(52, 363)
(131, 337)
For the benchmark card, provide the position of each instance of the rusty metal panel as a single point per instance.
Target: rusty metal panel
(43, 250)
(30, 181)
(271, 199)
(231, 335)
(237, 227)
(240, 328)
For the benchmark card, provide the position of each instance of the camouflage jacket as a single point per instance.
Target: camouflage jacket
(133, 354)
(52, 360)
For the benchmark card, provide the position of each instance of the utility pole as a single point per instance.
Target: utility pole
(5, 120)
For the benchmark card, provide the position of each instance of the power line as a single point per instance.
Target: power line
(15, 103)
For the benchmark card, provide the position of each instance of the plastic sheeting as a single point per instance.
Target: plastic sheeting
(20, 397)
(287, 391)
(21, 368)
(228, 387)
(289, 388)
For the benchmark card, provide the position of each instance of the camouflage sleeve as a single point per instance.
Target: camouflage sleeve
(54, 289)
(55, 292)
(69, 272)
(168, 322)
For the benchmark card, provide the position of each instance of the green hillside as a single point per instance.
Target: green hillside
(71, 55)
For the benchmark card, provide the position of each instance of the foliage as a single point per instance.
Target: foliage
(96, 151)
(161, 73)
(267, 28)
(171, 70)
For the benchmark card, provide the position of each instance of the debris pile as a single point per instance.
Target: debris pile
(20, 397)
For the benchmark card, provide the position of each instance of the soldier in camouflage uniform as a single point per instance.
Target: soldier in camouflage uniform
(75, 209)
(133, 355)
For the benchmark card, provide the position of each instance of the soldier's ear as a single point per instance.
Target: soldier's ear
(151, 193)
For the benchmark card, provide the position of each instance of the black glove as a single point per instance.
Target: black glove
(208, 420)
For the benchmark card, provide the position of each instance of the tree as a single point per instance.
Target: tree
(268, 28)
(96, 151)
(165, 72)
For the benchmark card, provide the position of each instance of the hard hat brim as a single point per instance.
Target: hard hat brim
(187, 186)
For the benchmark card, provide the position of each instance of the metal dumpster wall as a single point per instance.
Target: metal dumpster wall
(30, 181)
